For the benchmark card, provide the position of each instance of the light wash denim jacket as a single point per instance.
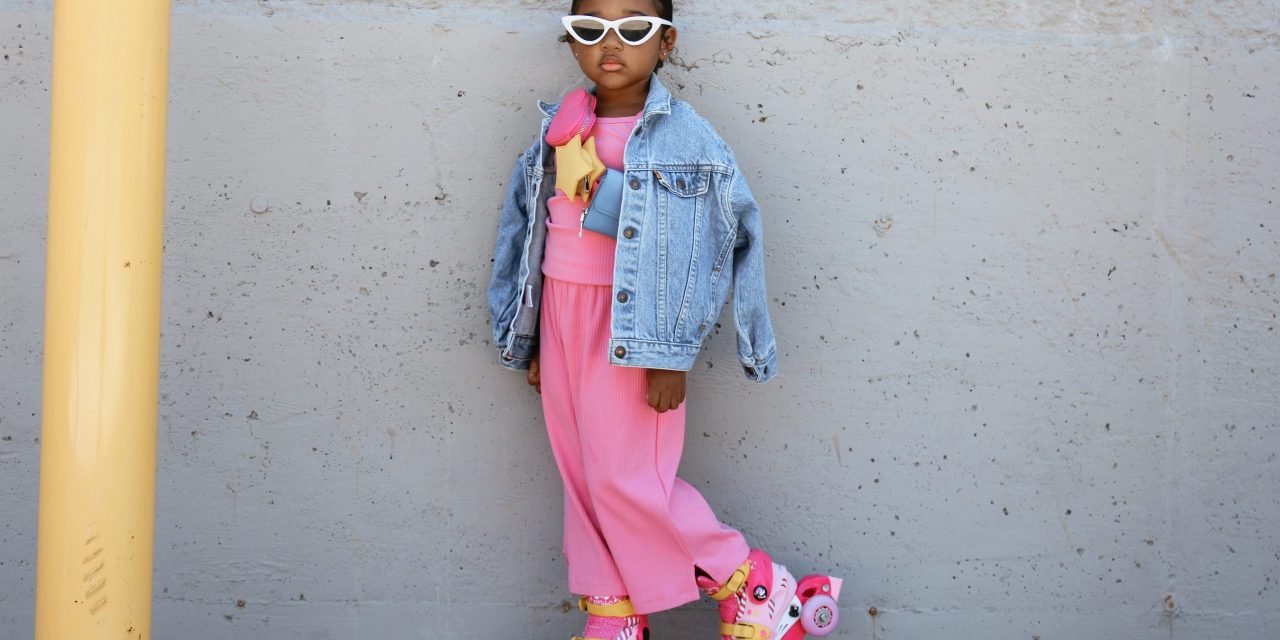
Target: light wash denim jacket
(689, 232)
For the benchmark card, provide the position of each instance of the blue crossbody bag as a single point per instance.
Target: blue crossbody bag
(601, 215)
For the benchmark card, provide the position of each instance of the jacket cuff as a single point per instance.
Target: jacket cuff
(518, 352)
(514, 365)
(761, 369)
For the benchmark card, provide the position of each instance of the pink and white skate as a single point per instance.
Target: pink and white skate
(612, 618)
(763, 601)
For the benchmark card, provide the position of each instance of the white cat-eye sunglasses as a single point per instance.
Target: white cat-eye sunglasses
(634, 30)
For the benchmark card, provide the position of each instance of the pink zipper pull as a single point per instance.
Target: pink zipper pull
(582, 221)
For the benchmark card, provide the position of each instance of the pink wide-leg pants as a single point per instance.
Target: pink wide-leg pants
(631, 527)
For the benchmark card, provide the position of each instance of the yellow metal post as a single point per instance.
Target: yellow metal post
(102, 319)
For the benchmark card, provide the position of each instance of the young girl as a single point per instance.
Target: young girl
(608, 321)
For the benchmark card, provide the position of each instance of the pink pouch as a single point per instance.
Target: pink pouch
(576, 117)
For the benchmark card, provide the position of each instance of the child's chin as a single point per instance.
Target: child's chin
(615, 79)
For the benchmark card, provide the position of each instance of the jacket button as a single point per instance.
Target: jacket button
(629, 233)
(680, 183)
(635, 184)
(620, 352)
(623, 297)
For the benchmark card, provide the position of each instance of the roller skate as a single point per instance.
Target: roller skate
(610, 618)
(763, 601)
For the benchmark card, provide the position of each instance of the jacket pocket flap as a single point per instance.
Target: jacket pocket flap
(685, 184)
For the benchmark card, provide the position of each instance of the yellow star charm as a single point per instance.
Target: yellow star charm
(572, 167)
(578, 168)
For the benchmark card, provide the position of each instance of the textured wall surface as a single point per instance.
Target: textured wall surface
(1023, 261)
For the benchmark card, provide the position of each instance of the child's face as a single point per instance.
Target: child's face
(611, 63)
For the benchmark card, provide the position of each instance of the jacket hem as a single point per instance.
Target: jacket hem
(653, 355)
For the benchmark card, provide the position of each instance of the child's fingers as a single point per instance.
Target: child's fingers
(664, 402)
(666, 391)
(534, 377)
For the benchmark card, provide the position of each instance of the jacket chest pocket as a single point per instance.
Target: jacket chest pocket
(682, 199)
(685, 198)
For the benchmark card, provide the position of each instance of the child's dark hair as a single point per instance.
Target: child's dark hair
(666, 11)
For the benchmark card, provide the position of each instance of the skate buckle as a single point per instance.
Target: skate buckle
(734, 582)
(744, 630)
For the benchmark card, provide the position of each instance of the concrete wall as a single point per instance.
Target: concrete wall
(1023, 261)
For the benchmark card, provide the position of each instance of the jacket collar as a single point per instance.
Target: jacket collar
(658, 101)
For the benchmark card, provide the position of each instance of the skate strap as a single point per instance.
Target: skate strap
(742, 630)
(734, 583)
(622, 609)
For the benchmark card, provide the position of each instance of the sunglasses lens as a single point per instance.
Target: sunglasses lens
(634, 31)
(587, 30)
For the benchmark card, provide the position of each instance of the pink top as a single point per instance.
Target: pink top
(587, 259)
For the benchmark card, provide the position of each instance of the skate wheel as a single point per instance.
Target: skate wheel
(819, 616)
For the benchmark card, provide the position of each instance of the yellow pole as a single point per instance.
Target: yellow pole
(102, 319)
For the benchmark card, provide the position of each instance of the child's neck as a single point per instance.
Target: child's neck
(621, 103)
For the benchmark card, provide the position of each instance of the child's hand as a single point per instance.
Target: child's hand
(666, 389)
(535, 374)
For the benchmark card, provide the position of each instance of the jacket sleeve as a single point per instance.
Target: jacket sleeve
(757, 349)
(513, 225)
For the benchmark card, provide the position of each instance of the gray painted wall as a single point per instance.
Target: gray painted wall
(1023, 260)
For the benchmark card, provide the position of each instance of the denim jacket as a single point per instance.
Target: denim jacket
(689, 233)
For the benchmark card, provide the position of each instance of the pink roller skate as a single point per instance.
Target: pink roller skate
(763, 601)
(610, 618)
